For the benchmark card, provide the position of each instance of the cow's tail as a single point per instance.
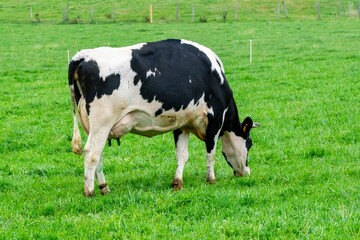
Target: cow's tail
(75, 95)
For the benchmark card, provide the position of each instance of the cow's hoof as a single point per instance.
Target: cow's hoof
(76, 145)
(77, 150)
(89, 193)
(176, 184)
(104, 189)
(211, 180)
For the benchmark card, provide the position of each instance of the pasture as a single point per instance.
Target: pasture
(302, 86)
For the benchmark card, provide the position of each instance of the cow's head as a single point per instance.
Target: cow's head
(236, 145)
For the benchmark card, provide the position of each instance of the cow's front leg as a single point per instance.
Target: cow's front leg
(210, 141)
(210, 172)
(99, 173)
(93, 150)
(182, 156)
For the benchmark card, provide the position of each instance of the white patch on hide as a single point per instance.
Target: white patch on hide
(107, 59)
(151, 73)
(211, 111)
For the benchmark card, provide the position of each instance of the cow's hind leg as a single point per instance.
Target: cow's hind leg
(99, 173)
(182, 155)
(76, 138)
(93, 150)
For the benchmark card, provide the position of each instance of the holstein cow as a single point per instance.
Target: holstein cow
(150, 89)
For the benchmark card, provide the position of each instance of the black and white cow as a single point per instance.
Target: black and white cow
(150, 89)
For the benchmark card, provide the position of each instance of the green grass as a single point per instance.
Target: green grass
(303, 87)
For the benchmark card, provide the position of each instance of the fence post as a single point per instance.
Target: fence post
(151, 13)
(113, 14)
(177, 11)
(318, 10)
(278, 10)
(284, 6)
(359, 8)
(339, 8)
(66, 12)
(31, 13)
(92, 14)
(251, 50)
(193, 13)
(236, 11)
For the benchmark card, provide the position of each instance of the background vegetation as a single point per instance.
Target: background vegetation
(303, 87)
(109, 11)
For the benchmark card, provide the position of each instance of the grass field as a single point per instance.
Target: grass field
(303, 87)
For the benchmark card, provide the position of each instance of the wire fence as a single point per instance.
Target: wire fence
(157, 11)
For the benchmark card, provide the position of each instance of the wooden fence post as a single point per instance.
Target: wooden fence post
(359, 9)
(151, 14)
(66, 12)
(177, 11)
(339, 8)
(236, 11)
(113, 14)
(278, 10)
(193, 13)
(318, 10)
(284, 6)
(251, 50)
(91, 14)
(31, 15)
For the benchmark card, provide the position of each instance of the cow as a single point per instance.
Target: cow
(150, 89)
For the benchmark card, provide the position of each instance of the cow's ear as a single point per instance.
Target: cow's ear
(247, 124)
(255, 125)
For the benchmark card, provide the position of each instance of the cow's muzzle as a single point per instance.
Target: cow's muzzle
(245, 172)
